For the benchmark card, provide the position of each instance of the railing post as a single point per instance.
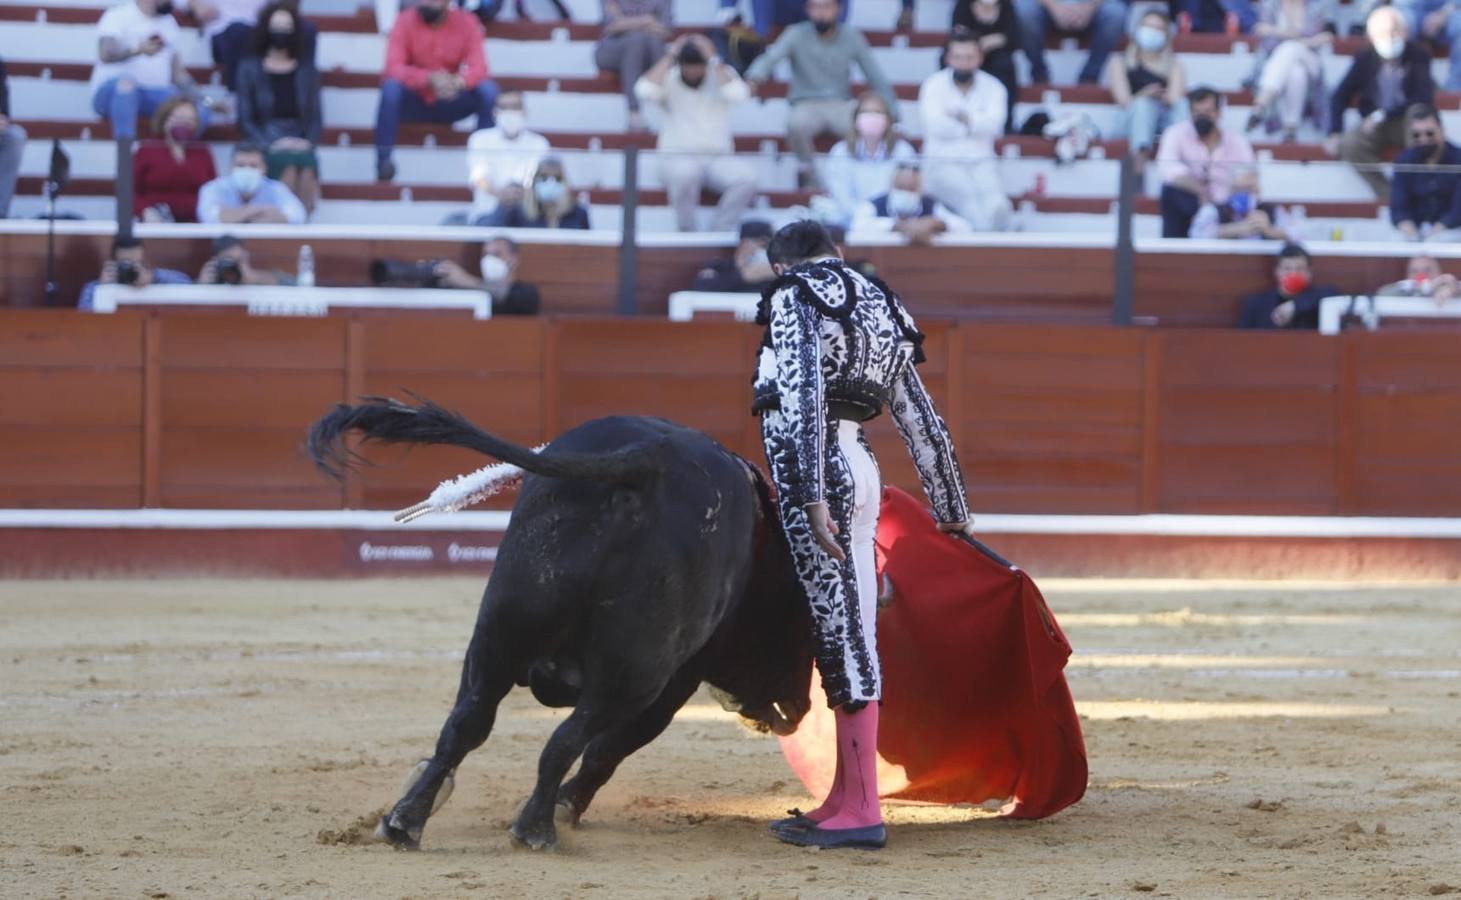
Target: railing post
(124, 188)
(1125, 262)
(628, 249)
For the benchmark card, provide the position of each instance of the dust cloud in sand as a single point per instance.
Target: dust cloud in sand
(237, 739)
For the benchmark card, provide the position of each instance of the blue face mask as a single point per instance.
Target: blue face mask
(549, 190)
(1150, 39)
(1241, 203)
(246, 179)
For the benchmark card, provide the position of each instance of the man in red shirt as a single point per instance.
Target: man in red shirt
(435, 72)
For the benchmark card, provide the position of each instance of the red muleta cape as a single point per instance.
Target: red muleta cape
(975, 704)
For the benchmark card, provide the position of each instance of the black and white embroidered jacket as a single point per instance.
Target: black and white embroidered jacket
(842, 345)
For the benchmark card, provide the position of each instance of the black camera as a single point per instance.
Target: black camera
(229, 271)
(128, 271)
(393, 273)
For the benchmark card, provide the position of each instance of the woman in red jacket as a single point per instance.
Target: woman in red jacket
(167, 173)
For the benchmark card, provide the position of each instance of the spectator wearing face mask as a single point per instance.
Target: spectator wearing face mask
(1199, 161)
(1244, 217)
(247, 195)
(963, 112)
(994, 23)
(1290, 68)
(168, 173)
(435, 71)
(1424, 278)
(1425, 196)
(748, 270)
(498, 269)
(694, 91)
(501, 161)
(860, 166)
(821, 53)
(139, 66)
(1293, 302)
(1147, 81)
(279, 102)
(549, 203)
(1385, 79)
(905, 209)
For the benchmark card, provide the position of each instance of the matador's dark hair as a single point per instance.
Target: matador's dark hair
(804, 239)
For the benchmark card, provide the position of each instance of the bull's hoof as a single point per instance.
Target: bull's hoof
(566, 813)
(535, 837)
(393, 831)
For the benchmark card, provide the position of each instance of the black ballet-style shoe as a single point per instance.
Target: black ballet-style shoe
(796, 820)
(871, 837)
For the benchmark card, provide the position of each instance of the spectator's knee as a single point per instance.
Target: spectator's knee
(125, 85)
(1028, 10)
(391, 90)
(17, 133)
(1111, 14)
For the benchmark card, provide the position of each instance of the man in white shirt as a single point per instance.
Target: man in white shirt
(247, 195)
(501, 160)
(694, 91)
(229, 27)
(139, 65)
(907, 210)
(963, 111)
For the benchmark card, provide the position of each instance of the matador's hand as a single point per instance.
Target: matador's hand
(824, 529)
(965, 527)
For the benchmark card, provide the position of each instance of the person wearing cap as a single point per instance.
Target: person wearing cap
(748, 270)
(232, 264)
(694, 92)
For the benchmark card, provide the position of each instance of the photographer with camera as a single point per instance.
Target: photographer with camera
(128, 265)
(498, 267)
(230, 264)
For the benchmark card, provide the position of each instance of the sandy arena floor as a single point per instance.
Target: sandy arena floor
(181, 739)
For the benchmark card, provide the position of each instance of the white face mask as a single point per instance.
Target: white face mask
(1389, 48)
(494, 269)
(903, 203)
(246, 179)
(512, 122)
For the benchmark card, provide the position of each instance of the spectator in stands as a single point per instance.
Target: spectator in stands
(1438, 21)
(229, 27)
(905, 209)
(1290, 70)
(435, 71)
(695, 91)
(231, 264)
(1424, 278)
(127, 264)
(510, 297)
(963, 111)
(1146, 79)
(168, 173)
(861, 165)
(279, 102)
(822, 53)
(309, 33)
(1425, 195)
(501, 161)
(1218, 16)
(1100, 21)
(139, 66)
(550, 203)
(998, 30)
(1199, 161)
(12, 145)
(1293, 302)
(1387, 78)
(771, 14)
(247, 195)
(1244, 216)
(635, 34)
(748, 270)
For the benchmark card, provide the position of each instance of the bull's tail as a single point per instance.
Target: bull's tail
(394, 422)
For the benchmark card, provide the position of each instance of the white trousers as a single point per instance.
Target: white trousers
(867, 491)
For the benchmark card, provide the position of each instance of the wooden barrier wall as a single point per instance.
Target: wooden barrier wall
(988, 283)
(189, 410)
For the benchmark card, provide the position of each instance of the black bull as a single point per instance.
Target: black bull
(642, 558)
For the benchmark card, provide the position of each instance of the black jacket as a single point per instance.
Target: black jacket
(256, 103)
(1007, 24)
(1258, 308)
(1361, 84)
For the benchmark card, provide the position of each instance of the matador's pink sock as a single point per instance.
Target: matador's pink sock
(833, 804)
(857, 751)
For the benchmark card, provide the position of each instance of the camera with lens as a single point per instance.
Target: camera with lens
(394, 273)
(128, 271)
(229, 271)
